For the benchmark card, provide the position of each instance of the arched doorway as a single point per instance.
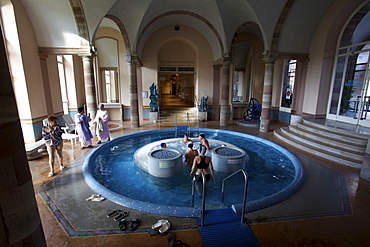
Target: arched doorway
(176, 89)
(350, 93)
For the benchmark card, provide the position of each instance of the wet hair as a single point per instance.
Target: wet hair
(163, 145)
(202, 135)
(190, 145)
(80, 109)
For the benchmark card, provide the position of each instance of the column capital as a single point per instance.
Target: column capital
(43, 56)
(91, 54)
(269, 57)
(226, 61)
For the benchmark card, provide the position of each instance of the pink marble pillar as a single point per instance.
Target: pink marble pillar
(90, 90)
(134, 102)
(20, 223)
(267, 96)
(216, 93)
(224, 92)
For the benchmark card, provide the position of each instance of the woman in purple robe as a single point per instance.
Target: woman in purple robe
(83, 128)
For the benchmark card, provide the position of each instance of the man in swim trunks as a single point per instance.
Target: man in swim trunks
(204, 145)
(203, 164)
(190, 155)
(186, 139)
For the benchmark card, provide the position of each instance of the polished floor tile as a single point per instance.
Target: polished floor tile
(330, 209)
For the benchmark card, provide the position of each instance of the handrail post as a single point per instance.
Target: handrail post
(192, 191)
(203, 198)
(245, 190)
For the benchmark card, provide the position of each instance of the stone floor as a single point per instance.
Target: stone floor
(331, 208)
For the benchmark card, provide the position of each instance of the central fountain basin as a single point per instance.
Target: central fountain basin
(164, 162)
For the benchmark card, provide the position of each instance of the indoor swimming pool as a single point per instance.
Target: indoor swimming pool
(274, 174)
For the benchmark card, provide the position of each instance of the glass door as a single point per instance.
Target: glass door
(350, 98)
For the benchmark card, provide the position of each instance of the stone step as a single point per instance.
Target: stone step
(327, 141)
(335, 150)
(341, 132)
(323, 153)
(332, 135)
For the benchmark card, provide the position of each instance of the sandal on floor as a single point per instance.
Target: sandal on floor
(171, 237)
(122, 224)
(179, 243)
(134, 224)
(121, 215)
(113, 213)
(165, 226)
(62, 168)
(158, 224)
(51, 174)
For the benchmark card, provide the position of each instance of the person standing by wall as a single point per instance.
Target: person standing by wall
(52, 134)
(83, 128)
(102, 128)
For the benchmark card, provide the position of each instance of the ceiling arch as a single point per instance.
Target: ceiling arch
(181, 18)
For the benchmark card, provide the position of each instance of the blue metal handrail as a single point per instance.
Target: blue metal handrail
(245, 189)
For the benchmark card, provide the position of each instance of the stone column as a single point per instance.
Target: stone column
(216, 92)
(89, 78)
(267, 95)
(365, 170)
(224, 99)
(134, 102)
(46, 82)
(20, 223)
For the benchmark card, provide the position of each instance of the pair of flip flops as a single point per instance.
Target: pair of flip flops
(95, 198)
(160, 228)
(134, 224)
(118, 214)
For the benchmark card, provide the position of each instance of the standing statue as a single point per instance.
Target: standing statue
(203, 104)
(153, 98)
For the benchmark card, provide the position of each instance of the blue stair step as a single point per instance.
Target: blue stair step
(222, 227)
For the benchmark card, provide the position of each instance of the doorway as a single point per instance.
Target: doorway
(350, 101)
(176, 90)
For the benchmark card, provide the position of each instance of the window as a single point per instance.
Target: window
(63, 85)
(110, 86)
(288, 83)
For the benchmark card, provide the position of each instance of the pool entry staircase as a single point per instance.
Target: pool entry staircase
(340, 145)
(223, 227)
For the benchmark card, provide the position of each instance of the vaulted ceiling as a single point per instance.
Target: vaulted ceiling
(283, 25)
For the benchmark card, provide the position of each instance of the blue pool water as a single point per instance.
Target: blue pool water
(274, 174)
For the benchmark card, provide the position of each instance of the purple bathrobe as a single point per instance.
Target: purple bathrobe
(83, 129)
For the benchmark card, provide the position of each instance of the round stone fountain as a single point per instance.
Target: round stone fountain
(164, 162)
(229, 159)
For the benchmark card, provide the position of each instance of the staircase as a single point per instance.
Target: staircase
(178, 114)
(223, 228)
(338, 145)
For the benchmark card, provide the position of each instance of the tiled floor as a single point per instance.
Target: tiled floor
(331, 209)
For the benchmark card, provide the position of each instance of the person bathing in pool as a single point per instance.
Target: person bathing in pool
(204, 145)
(203, 164)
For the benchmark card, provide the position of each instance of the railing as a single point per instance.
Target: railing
(187, 124)
(203, 196)
(245, 189)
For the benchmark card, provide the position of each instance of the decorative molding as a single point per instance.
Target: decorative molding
(64, 51)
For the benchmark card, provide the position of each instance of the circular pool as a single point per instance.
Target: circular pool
(274, 174)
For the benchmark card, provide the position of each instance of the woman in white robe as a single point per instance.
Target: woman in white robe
(102, 128)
